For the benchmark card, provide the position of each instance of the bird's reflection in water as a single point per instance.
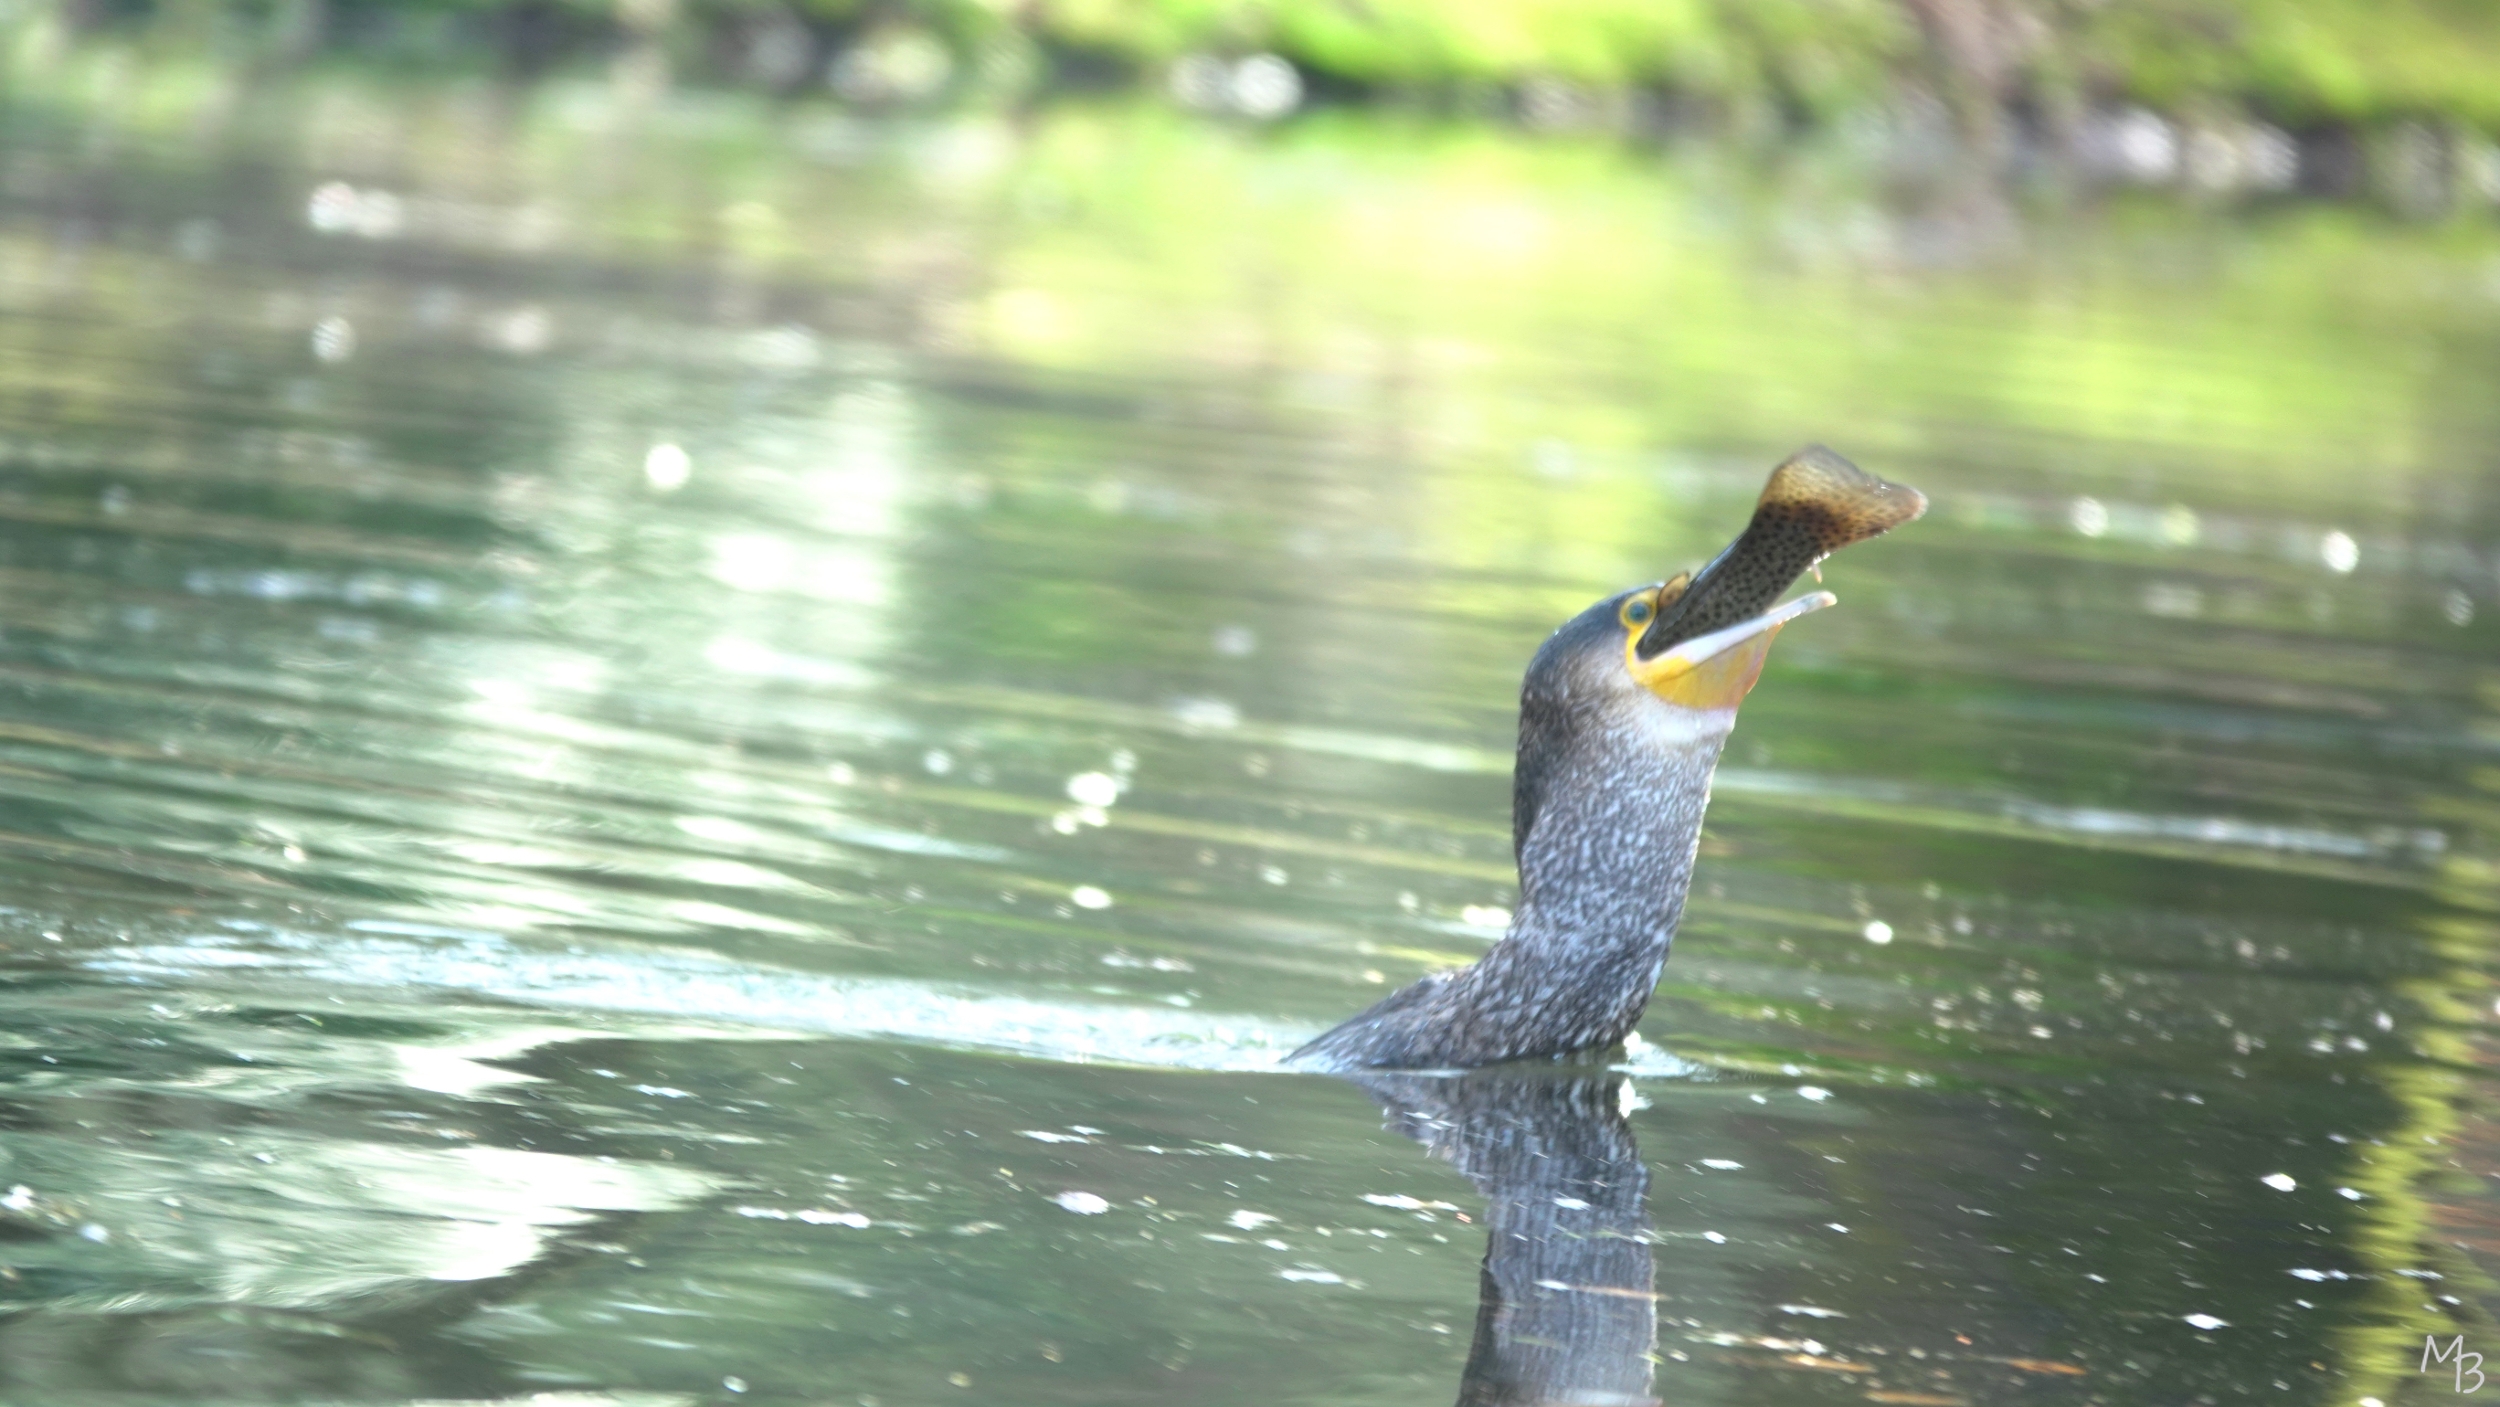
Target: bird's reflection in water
(1568, 1314)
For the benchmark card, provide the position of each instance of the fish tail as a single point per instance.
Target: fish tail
(1834, 501)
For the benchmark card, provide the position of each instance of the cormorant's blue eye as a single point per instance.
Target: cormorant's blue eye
(1636, 611)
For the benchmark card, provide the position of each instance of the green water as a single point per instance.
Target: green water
(703, 753)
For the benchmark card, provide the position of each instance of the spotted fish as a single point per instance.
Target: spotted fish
(1814, 505)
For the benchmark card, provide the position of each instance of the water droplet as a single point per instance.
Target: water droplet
(1093, 789)
(1265, 86)
(1878, 932)
(333, 339)
(1082, 1203)
(2207, 1322)
(821, 1216)
(339, 208)
(668, 466)
(1206, 715)
(524, 331)
(1087, 896)
(2280, 1182)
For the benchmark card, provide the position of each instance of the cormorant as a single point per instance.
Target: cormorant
(1621, 719)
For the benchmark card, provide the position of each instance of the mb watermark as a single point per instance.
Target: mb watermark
(2467, 1365)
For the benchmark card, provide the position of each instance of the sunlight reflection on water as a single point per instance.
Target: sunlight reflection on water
(381, 956)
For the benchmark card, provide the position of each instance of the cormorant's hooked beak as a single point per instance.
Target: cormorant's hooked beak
(1717, 670)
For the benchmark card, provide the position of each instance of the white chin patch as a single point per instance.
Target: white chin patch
(1673, 725)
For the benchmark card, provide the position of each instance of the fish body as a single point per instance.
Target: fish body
(1814, 505)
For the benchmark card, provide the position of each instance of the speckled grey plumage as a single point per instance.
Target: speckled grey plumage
(1607, 803)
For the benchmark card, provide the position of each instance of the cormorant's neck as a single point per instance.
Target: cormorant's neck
(1605, 860)
(1608, 803)
(1618, 831)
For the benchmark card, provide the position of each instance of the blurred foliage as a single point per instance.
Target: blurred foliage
(2300, 62)
(1816, 51)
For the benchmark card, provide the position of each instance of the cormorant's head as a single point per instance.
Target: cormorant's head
(1715, 669)
(1698, 641)
(1596, 658)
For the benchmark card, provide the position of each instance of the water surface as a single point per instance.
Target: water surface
(703, 752)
